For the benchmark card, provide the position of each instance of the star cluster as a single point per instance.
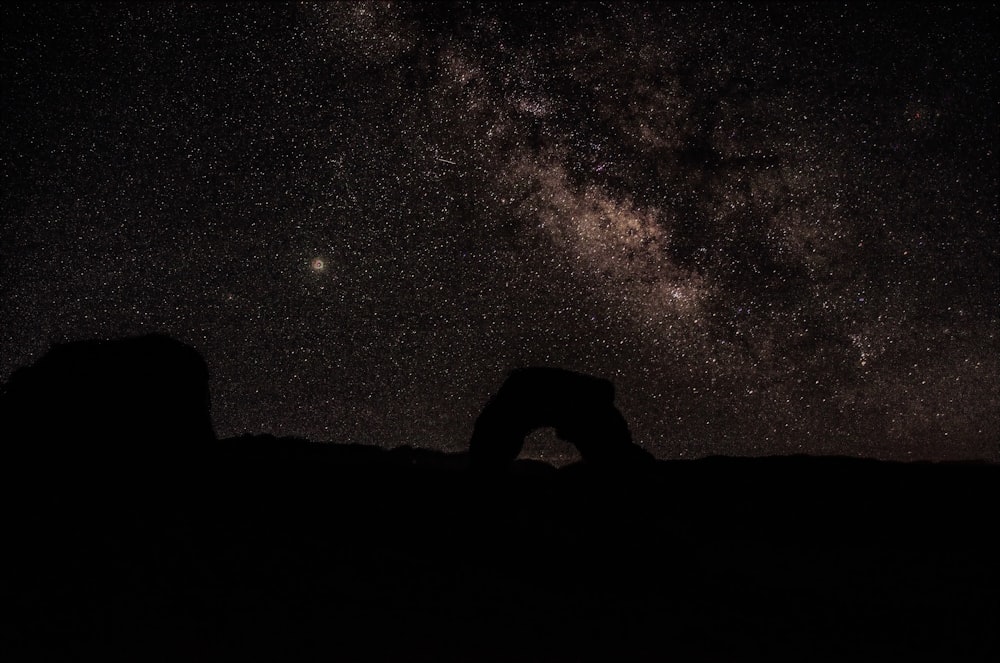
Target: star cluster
(774, 227)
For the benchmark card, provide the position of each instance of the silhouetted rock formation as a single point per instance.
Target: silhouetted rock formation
(580, 408)
(96, 405)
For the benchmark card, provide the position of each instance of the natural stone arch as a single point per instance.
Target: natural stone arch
(579, 407)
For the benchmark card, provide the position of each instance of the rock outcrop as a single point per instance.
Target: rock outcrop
(92, 404)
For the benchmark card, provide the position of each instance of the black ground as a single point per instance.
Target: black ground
(268, 549)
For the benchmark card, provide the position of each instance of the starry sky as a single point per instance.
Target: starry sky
(774, 227)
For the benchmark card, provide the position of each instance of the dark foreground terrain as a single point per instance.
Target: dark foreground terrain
(267, 549)
(132, 533)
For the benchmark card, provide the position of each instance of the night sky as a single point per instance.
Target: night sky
(774, 228)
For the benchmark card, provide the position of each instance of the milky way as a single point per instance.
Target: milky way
(774, 228)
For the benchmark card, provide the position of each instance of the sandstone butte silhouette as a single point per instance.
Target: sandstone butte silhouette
(579, 407)
(108, 404)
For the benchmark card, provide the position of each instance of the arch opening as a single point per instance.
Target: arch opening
(544, 445)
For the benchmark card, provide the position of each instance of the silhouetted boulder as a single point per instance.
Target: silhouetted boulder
(580, 408)
(98, 404)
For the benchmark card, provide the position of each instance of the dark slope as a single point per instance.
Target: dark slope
(268, 549)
